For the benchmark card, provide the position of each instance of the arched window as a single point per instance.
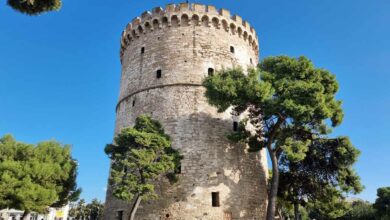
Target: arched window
(210, 71)
(140, 29)
(174, 21)
(239, 31)
(158, 74)
(184, 20)
(195, 19)
(156, 24)
(205, 21)
(233, 28)
(165, 21)
(225, 25)
(215, 22)
(147, 26)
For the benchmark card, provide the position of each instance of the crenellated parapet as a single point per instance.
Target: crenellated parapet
(185, 14)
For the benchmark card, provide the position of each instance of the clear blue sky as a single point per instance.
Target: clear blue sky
(59, 72)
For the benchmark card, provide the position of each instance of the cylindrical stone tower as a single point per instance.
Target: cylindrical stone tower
(165, 55)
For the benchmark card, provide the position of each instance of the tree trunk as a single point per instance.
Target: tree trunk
(296, 211)
(273, 193)
(25, 215)
(135, 207)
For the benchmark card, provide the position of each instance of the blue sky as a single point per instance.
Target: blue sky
(59, 72)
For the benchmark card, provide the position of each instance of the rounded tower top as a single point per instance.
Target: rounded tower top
(188, 14)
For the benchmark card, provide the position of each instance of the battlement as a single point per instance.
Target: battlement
(185, 14)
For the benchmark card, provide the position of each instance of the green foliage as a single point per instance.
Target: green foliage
(95, 209)
(35, 7)
(291, 91)
(140, 155)
(326, 173)
(331, 206)
(359, 210)
(289, 104)
(91, 211)
(35, 177)
(382, 203)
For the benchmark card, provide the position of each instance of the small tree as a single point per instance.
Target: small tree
(382, 203)
(83, 211)
(140, 156)
(79, 210)
(324, 173)
(35, 7)
(95, 209)
(34, 177)
(292, 97)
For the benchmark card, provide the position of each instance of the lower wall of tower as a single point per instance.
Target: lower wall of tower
(211, 163)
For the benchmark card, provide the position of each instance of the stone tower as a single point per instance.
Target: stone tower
(165, 55)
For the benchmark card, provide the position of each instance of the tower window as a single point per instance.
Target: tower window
(231, 49)
(210, 71)
(215, 199)
(178, 170)
(251, 60)
(142, 50)
(119, 215)
(158, 74)
(133, 103)
(235, 126)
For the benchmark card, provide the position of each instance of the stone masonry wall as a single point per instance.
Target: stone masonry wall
(184, 41)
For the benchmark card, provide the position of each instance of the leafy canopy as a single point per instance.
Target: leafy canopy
(288, 103)
(324, 174)
(291, 91)
(359, 210)
(35, 7)
(91, 211)
(382, 203)
(34, 177)
(140, 155)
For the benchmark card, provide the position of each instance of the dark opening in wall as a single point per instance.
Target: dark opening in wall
(215, 199)
(178, 170)
(119, 215)
(251, 60)
(142, 50)
(133, 104)
(235, 126)
(231, 49)
(210, 71)
(158, 74)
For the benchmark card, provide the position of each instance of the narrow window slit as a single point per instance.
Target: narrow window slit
(178, 170)
(158, 74)
(215, 199)
(231, 49)
(142, 50)
(210, 72)
(235, 126)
